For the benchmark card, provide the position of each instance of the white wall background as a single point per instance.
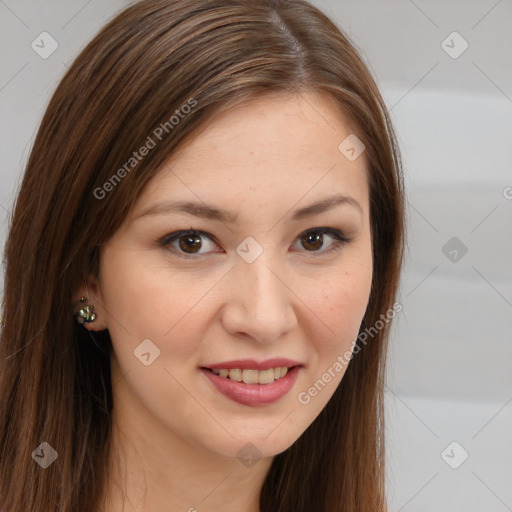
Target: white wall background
(450, 370)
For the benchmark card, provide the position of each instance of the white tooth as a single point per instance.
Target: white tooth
(236, 374)
(266, 376)
(277, 373)
(216, 371)
(223, 372)
(250, 376)
(284, 370)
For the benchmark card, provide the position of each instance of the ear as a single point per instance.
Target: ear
(91, 291)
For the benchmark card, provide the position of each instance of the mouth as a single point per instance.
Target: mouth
(251, 383)
(252, 376)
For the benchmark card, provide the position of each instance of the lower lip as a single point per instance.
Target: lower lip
(253, 394)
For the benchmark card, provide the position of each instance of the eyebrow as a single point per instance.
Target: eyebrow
(205, 211)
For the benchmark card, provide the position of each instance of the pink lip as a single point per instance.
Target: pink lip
(252, 364)
(253, 394)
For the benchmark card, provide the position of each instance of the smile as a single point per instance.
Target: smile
(251, 383)
(250, 376)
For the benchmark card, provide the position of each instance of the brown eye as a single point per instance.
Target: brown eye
(315, 240)
(312, 241)
(190, 243)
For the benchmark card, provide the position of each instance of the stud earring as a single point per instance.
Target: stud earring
(86, 314)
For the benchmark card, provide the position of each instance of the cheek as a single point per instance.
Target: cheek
(147, 301)
(340, 304)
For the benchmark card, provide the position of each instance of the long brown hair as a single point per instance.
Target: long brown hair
(149, 61)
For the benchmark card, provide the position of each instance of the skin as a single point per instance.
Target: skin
(175, 436)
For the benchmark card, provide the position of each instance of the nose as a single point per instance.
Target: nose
(260, 305)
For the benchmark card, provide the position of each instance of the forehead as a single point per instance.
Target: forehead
(275, 125)
(279, 147)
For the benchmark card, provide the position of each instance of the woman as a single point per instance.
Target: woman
(210, 219)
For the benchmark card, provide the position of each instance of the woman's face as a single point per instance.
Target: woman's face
(262, 283)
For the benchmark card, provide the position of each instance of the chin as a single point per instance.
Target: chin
(263, 438)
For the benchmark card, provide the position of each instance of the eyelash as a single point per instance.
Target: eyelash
(340, 240)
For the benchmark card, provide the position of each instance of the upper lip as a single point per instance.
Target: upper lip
(252, 364)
